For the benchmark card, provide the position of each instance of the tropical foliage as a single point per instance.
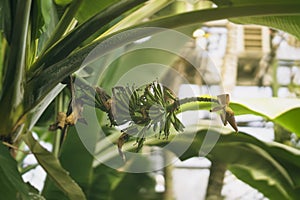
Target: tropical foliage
(44, 42)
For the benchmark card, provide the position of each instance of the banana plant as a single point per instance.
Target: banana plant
(44, 42)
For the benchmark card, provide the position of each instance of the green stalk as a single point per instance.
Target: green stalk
(11, 102)
(196, 103)
(3, 47)
(198, 99)
(57, 137)
(216, 179)
(69, 65)
(275, 86)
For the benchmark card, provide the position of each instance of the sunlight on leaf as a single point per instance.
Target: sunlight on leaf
(279, 110)
(288, 23)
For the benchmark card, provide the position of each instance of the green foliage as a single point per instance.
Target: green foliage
(141, 187)
(75, 158)
(105, 180)
(288, 23)
(54, 169)
(40, 47)
(62, 2)
(71, 64)
(11, 183)
(90, 8)
(72, 40)
(279, 110)
(6, 15)
(266, 166)
(13, 87)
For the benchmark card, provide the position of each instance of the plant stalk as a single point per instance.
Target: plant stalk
(11, 102)
(59, 107)
(215, 181)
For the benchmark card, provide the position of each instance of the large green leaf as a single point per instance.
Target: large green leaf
(289, 120)
(11, 183)
(141, 187)
(62, 2)
(105, 180)
(109, 183)
(244, 174)
(279, 110)
(289, 159)
(266, 164)
(137, 16)
(54, 169)
(287, 23)
(267, 169)
(287, 156)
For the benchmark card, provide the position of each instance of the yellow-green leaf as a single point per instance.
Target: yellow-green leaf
(54, 169)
